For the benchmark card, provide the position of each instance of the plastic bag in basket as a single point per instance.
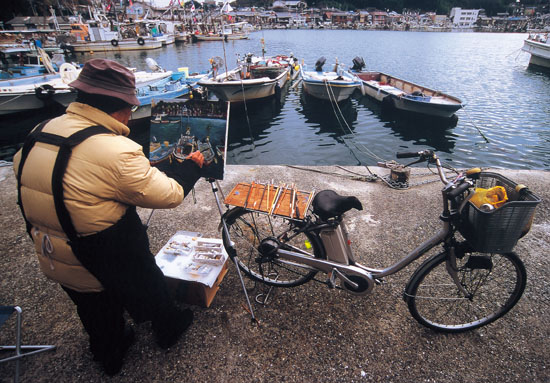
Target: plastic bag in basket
(495, 196)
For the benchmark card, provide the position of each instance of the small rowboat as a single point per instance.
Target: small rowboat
(405, 95)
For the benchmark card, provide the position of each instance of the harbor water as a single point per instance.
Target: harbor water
(505, 123)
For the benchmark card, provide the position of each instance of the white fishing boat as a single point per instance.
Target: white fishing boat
(254, 78)
(337, 85)
(36, 92)
(177, 85)
(405, 95)
(227, 32)
(94, 36)
(538, 45)
(159, 30)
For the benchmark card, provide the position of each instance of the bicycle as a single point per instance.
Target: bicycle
(475, 280)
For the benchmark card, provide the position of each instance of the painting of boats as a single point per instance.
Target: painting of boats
(254, 78)
(186, 145)
(336, 85)
(404, 95)
(159, 152)
(180, 127)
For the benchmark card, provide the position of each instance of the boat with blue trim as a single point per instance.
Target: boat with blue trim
(336, 85)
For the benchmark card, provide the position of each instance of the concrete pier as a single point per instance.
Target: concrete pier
(305, 334)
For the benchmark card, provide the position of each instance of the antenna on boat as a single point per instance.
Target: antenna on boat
(222, 10)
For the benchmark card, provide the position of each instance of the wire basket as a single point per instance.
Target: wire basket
(498, 230)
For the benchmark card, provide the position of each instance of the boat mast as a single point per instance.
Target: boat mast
(224, 6)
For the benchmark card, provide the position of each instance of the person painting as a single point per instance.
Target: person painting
(79, 182)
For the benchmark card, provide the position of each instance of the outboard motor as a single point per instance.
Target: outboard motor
(152, 64)
(319, 64)
(358, 63)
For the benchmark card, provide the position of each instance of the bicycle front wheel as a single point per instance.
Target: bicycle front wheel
(254, 235)
(491, 285)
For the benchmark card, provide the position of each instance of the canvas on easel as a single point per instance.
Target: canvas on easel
(180, 127)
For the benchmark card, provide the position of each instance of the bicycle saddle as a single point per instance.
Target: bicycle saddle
(328, 204)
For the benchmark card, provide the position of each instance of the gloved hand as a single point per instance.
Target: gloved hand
(197, 158)
(186, 173)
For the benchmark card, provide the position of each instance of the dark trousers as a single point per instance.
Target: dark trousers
(101, 315)
(120, 258)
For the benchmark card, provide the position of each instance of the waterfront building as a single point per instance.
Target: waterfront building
(464, 18)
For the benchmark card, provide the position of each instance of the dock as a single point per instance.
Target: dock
(305, 334)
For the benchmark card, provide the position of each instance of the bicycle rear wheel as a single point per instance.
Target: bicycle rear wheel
(254, 235)
(494, 284)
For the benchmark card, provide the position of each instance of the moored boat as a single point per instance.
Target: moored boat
(405, 95)
(337, 85)
(174, 85)
(227, 32)
(36, 92)
(538, 45)
(96, 36)
(254, 78)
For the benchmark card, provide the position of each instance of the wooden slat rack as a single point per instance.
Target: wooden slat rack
(281, 200)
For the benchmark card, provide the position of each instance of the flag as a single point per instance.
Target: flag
(192, 7)
(182, 3)
(131, 3)
(227, 8)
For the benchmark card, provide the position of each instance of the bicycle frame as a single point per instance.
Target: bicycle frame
(355, 277)
(342, 263)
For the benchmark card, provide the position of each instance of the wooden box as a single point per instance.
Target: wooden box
(195, 293)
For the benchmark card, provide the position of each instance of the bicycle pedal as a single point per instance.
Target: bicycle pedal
(331, 283)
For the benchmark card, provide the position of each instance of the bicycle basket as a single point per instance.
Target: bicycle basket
(498, 230)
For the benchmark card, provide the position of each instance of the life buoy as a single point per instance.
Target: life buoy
(140, 41)
(114, 42)
(44, 92)
(68, 72)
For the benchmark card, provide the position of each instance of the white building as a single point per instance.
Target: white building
(464, 18)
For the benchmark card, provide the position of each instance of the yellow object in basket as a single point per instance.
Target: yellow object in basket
(495, 196)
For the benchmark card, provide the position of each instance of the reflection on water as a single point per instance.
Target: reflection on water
(435, 133)
(333, 119)
(506, 100)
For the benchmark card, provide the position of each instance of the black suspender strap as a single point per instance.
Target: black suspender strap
(66, 144)
(27, 146)
(59, 168)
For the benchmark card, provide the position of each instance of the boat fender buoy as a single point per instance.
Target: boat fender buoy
(387, 104)
(44, 92)
(277, 90)
(140, 41)
(114, 42)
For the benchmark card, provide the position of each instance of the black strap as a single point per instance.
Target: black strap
(66, 144)
(59, 168)
(27, 146)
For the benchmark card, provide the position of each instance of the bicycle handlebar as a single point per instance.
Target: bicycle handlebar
(459, 190)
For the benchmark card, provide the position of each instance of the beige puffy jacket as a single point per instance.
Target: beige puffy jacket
(106, 174)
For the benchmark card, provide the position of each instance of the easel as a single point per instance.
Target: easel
(214, 184)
